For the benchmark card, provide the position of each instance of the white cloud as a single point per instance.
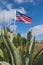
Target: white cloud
(22, 10)
(9, 6)
(31, 1)
(24, 35)
(7, 16)
(37, 30)
(3, 3)
(19, 1)
(13, 27)
(22, 1)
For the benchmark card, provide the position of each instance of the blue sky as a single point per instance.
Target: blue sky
(32, 8)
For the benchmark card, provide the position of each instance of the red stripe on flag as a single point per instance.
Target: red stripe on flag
(26, 17)
(23, 18)
(20, 18)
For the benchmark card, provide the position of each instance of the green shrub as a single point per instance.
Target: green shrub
(17, 56)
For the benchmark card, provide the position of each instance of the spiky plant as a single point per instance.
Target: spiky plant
(14, 41)
(15, 54)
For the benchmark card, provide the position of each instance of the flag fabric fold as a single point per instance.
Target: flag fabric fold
(23, 18)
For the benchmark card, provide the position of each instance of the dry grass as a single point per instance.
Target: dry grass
(38, 47)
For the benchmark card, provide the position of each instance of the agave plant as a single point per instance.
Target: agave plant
(16, 56)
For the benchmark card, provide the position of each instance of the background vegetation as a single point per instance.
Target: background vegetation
(28, 49)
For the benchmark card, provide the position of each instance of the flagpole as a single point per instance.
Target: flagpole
(15, 22)
(3, 18)
(3, 23)
(14, 25)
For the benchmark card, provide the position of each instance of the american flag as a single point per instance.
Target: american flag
(23, 18)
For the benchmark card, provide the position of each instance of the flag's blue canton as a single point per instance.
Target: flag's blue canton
(19, 14)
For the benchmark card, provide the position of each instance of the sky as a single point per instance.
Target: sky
(32, 8)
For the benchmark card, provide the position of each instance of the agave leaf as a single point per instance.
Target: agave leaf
(11, 56)
(19, 39)
(30, 52)
(1, 53)
(14, 50)
(31, 48)
(29, 36)
(39, 58)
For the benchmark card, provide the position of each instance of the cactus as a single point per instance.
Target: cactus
(14, 50)
(10, 54)
(14, 41)
(31, 45)
(15, 54)
(29, 36)
(1, 55)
